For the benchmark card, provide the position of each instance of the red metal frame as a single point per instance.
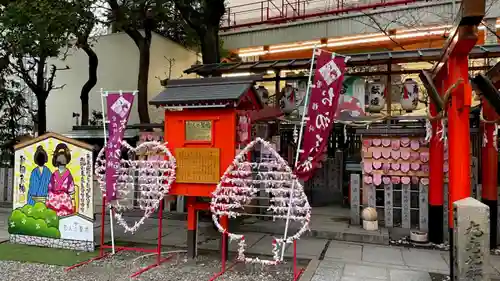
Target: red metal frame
(103, 246)
(247, 15)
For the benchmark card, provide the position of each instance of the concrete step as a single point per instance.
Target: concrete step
(340, 231)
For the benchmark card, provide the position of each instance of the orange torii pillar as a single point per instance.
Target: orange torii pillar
(454, 65)
(489, 171)
(436, 177)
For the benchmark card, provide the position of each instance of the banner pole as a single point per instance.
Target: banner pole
(297, 154)
(103, 95)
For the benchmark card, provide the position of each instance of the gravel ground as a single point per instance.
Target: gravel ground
(122, 265)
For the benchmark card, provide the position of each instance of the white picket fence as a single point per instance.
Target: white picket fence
(6, 184)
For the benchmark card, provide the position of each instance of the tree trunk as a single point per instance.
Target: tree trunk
(210, 45)
(41, 99)
(91, 82)
(142, 82)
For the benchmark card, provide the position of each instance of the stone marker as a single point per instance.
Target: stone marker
(471, 242)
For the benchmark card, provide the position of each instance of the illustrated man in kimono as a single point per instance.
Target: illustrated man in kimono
(39, 178)
(61, 185)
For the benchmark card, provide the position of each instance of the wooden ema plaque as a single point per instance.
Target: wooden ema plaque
(197, 165)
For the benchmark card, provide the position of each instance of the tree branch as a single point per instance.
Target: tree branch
(379, 27)
(190, 15)
(123, 25)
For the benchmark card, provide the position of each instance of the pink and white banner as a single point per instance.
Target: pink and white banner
(324, 100)
(118, 112)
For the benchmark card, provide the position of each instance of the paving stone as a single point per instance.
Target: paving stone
(264, 246)
(307, 248)
(250, 240)
(406, 275)
(327, 268)
(325, 278)
(351, 278)
(174, 239)
(424, 259)
(344, 251)
(361, 271)
(382, 254)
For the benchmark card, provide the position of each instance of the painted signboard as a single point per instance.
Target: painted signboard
(53, 194)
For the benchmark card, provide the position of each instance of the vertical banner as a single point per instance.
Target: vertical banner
(325, 93)
(118, 106)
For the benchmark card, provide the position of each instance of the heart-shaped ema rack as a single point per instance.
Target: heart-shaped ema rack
(145, 174)
(270, 178)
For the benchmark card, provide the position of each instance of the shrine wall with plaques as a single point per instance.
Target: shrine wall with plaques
(395, 180)
(198, 165)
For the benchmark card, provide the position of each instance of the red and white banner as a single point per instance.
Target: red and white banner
(325, 93)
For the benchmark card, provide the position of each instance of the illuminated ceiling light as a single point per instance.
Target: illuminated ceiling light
(294, 45)
(253, 54)
(359, 41)
(419, 34)
(237, 74)
(296, 49)
(251, 50)
(482, 27)
(355, 37)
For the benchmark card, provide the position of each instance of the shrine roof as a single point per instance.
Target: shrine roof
(361, 59)
(55, 136)
(205, 91)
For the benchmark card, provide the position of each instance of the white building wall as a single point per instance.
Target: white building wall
(118, 70)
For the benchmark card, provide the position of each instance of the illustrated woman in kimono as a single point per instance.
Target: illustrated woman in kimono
(39, 178)
(61, 186)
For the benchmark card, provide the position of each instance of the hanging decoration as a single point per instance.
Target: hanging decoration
(409, 95)
(238, 186)
(352, 99)
(321, 112)
(154, 179)
(376, 96)
(428, 130)
(263, 93)
(288, 99)
(443, 133)
(495, 130)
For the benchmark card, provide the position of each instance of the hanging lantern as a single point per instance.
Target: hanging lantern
(288, 99)
(263, 93)
(409, 95)
(376, 96)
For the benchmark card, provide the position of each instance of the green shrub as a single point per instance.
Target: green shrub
(34, 220)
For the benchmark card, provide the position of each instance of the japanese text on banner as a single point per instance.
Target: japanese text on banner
(118, 111)
(325, 93)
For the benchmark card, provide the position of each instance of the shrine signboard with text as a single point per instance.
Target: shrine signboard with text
(198, 165)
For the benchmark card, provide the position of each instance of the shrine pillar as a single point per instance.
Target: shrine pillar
(458, 137)
(489, 153)
(436, 178)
